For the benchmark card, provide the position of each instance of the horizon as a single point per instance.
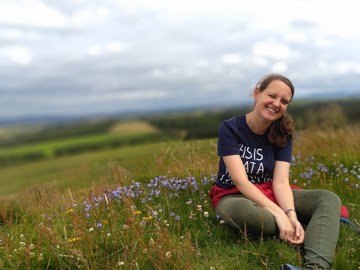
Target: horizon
(58, 118)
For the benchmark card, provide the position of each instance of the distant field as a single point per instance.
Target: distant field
(122, 133)
(11, 131)
(48, 147)
(133, 127)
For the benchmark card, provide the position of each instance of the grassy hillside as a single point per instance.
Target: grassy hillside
(146, 207)
(119, 134)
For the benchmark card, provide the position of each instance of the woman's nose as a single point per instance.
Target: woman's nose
(276, 102)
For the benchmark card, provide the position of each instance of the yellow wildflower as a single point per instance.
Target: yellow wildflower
(69, 211)
(74, 239)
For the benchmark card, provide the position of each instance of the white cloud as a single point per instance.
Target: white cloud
(231, 59)
(30, 13)
(322, 64)
(185, 9)
(95, 50)
(202, 63)
(295, 37)
(323, 42)
(115, 47)
(279, 67)
(271, 49)
(336, 18)
(17, 54)
(124, 96)
(90, 16)
(109, 47)
(344, 67)
(10, 33)
(260, 61)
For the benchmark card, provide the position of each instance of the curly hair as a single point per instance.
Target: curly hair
(281, 130)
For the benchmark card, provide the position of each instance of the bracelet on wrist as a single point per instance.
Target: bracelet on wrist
(289, 210)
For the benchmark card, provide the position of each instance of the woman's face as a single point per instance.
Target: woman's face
(272, 103)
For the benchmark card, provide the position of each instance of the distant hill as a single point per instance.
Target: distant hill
(51, 119)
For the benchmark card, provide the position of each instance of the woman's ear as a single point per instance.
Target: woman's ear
(256, 94)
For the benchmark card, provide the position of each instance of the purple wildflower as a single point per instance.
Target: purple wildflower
(205, 181)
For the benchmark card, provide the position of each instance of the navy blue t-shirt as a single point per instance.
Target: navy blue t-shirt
(257, 153)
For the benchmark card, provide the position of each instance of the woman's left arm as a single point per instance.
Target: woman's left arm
(285, 198)
(281, 186)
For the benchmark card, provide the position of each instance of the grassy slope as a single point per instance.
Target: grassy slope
(118, 132)
(85, 170)
(196, 242)
(176, 158)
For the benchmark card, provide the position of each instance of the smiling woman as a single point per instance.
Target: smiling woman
(252, 193)
(272, 96)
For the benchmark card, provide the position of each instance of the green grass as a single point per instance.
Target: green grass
(136, 133)
(67, 213)
(74, 171)
(130, 162)
(49, 147)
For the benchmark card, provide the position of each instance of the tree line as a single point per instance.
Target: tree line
(322, 114)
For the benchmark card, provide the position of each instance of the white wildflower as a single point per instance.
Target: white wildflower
(151, 242)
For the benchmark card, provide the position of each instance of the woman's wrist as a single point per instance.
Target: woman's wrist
(291, 213)
(289, 210)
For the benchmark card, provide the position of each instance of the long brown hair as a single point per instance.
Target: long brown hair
(281, 130)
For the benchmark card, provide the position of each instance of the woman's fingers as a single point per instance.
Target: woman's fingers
(287, 233)
(297, 238)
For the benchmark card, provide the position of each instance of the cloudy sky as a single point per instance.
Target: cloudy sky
(81, 57)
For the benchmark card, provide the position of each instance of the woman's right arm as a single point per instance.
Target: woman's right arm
(238, 175)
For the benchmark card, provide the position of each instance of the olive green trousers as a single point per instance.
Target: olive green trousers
(317, 210)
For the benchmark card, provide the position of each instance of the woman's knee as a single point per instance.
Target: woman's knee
(245, 215)
(328, 197)
(233, 206)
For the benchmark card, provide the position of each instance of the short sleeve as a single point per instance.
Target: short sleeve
(284, 153)
(227, 141)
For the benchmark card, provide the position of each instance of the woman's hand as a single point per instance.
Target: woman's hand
(286, 228)
(290, 229)
(299, 234)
